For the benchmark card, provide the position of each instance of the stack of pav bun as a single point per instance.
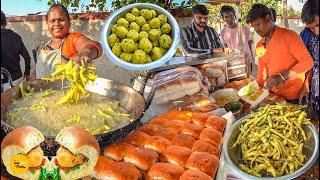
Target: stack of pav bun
(180, 145)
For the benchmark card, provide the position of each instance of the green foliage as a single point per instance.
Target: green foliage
(185, 5)
(214, 9)
(75, 4)
(246, 6)
(188, 4)
(214, 14)
(292, 12)
(116, 4)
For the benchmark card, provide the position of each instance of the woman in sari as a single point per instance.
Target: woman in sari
(64, 45)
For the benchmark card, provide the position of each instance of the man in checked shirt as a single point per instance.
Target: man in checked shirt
(198, 38)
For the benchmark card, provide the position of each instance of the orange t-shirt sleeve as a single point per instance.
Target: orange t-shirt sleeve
(69, 45)
(299, 51)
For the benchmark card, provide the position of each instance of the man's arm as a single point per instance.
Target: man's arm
(300, 52)
(186, 38)
(303, 61)
(24, 53)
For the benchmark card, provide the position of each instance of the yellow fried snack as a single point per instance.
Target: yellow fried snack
(78, 75)
(19, 164)
(35, 157)
(67, 159)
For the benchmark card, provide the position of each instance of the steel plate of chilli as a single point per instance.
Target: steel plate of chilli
(272, 140)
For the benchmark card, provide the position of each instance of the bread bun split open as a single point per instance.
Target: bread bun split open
(19, 150)
(23, 157)
(81, 148)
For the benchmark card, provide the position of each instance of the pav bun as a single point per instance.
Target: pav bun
(19, 150)
(80, 143)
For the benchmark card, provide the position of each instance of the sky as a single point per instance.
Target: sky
(24, 7)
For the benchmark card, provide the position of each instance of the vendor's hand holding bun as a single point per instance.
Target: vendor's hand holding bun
(21, 152)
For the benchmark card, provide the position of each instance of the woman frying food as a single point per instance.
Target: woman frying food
(64, 45)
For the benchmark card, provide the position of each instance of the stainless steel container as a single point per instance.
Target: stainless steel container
(106, 31)
(233, 155)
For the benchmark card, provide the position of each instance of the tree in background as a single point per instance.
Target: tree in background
(281, 7)
(293, 13)
(214, 9)
(214, 15)
(246, 6)
(99, 5)
(285, 13)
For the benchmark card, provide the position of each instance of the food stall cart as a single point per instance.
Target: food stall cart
(236, 69)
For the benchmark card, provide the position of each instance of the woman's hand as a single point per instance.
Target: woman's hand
(88, 47)
(80, 59)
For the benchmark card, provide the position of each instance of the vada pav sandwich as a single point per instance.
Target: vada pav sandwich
(78, 153)
(21, 153)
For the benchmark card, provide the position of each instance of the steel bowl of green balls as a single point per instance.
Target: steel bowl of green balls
(140, 36)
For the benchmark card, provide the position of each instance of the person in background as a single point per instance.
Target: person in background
(273, 14)
(310, 37)
(283, 59)
(230, 34)
(64, 45)
(198, 37)
(11, 48)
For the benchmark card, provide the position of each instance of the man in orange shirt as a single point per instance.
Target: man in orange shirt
(283, 58)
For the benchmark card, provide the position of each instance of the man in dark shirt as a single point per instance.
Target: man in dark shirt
(198, 38)
(11, 49)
